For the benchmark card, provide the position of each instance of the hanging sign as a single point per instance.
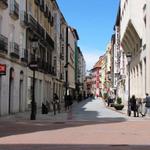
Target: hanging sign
(2, 69)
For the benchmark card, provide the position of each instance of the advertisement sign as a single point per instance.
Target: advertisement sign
(2, 69)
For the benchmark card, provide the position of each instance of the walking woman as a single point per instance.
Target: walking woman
(133, 105)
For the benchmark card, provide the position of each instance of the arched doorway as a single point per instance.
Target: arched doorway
(11, 90)
(21, 91)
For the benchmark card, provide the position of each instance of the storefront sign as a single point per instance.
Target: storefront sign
(2, 69)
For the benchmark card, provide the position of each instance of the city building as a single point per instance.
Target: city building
(79, 72)
(72, 38)
(33, 43)
(134, 40)
(13, 54)
(108, 84)
(119, 74)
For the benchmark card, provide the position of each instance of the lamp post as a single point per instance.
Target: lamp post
(33, 65)
(129, 56)
(66, 68)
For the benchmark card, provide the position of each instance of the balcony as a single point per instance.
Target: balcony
(14, 50)
(62, 37)
(61, 76)
(53, 71)
(52, 21)
(23, 18)
(61, 56)
(46, 67)
(24, 55)
(3, 4)
(49, 41)
(3, 44)
(14, 9)
(37, 2)
(41, 31)
(49, 16)
(46, 11)
(32, 23)
(42, 5)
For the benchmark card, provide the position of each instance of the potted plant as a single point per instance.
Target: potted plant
(105, 96)
(118, 105)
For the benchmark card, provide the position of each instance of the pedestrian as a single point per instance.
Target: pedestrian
(58, 103)
(133, 105)
(55, 97)
(66, 103)
(147, 104)
(139, 105)
(108, 101)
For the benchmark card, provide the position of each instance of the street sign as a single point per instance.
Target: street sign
(2, 69)
(33, 65)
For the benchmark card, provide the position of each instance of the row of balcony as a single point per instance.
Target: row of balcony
(28, 20)
(45, 67)
(14, 49)
(44, 8)
(13, 10)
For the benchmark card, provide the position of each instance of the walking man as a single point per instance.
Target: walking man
(147, 104)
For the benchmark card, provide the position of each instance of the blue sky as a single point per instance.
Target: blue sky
(94, 21)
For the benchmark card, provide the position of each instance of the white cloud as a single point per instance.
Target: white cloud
(91, 57)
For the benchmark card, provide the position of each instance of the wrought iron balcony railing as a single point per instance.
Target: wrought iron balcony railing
(49, 41)
(32, 23)
(23, 18)
(37, 2)
(14, 9)
(14, 49)
(3, 44)
(3, 4)
(61, 56)
(24, 55)
(40, 31)
(46, 11)
(42, 5)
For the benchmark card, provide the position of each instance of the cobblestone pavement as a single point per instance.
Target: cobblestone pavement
(90, 125)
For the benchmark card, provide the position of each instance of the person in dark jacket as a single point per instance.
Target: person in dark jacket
(147, 104)
(133, 105)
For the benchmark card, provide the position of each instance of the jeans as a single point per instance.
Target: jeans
(147, 110)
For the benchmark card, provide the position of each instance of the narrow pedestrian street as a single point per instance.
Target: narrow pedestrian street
(89, 124)
(94, 110)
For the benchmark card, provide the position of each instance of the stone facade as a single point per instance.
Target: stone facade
(21, 22)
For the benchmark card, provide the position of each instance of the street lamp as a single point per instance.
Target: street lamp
(33, 65)
(66, 82)
(129, 56)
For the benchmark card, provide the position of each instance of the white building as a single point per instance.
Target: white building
(20, 22)
(14, 55)
(134, 27)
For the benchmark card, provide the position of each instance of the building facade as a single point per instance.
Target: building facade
(22, 24)
(134, 40)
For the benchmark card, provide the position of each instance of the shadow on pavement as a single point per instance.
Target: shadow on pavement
(8, 128)
(72, 147)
